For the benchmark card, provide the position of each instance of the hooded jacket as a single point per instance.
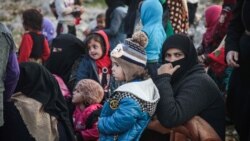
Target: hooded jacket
(88, 67)
(151, 17)
(127, 113)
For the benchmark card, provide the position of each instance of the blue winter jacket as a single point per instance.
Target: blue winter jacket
(127, 113)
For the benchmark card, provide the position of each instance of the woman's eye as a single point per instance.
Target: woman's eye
(178, 55)
(168, 55)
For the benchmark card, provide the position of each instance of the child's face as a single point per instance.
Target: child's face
(77, 97)
(100, 23)
(117, 71)
(95, 49)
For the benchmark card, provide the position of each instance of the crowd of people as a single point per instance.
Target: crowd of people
(136, 76)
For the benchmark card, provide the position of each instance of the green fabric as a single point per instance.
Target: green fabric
(169, 29)
(162, 1)
(228, 72)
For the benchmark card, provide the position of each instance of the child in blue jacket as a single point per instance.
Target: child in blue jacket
(129, 109)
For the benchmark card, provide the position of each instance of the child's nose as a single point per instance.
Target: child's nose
(91, 50)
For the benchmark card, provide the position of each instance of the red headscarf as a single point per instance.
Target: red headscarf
(104, 61)
(212, 14)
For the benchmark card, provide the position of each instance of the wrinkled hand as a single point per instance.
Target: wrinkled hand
(232, 58)
(183, 130)
(156, 126)
(167, 68)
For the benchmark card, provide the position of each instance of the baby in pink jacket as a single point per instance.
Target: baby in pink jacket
(87, 97)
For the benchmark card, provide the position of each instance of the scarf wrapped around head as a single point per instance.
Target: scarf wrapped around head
(212, 14)
(38, 83)
(103, 64)
(104, 61)
(183, 43)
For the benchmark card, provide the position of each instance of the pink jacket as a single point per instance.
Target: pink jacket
(80, 117)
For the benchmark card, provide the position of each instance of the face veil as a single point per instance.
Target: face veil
(183, 43)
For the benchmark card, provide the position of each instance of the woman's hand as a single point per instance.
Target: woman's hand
(232, 59)
(167, 68)
(156, 126)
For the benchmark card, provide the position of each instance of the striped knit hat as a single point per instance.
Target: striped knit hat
(133, 49)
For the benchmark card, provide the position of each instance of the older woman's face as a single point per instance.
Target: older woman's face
(174, 54)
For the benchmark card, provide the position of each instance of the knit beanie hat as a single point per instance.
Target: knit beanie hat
(91, 91)
(131, 55)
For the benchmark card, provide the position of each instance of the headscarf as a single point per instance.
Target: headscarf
(66, 49)
(104, 61)
(212, 14)
(112, 5)
(183, 43)
(38, 83)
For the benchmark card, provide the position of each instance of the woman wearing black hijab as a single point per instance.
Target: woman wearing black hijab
(38, 110)
(185, 88)
(65, 53)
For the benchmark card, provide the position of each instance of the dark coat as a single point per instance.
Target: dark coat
(195, 94)
(238, 102)
(87, 69)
